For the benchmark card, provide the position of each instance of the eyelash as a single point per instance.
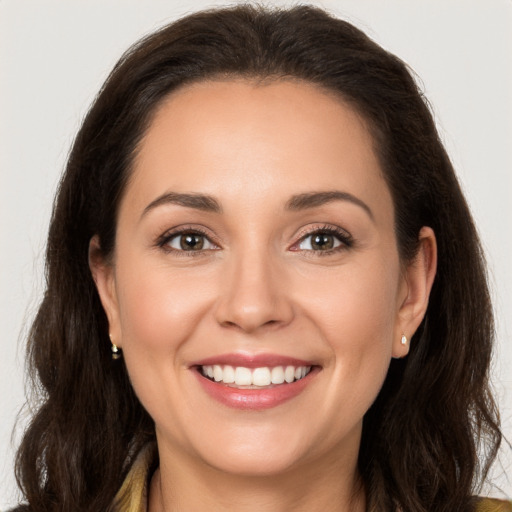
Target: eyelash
(164, 240)
(344, 237)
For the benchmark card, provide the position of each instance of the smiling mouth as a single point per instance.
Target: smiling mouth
(254, 378)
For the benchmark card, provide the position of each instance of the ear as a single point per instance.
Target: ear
(103, 273)
(418, 278)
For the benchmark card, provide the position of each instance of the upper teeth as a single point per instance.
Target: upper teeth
(254, 377)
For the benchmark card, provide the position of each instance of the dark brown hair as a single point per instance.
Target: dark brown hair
(433, 430)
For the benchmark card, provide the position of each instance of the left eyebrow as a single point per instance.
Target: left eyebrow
(196, 201)
(315, 199)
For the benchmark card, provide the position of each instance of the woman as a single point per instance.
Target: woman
(265, 290)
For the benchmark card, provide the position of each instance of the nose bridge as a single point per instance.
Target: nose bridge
(253, 293)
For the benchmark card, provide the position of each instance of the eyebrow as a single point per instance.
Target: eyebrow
(315, 199)
(295, 203)
(197, 201)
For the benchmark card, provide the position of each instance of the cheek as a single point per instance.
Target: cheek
(357, 305)
(356, 310)
(159, 308)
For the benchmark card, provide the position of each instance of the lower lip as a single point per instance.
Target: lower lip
(254, 399)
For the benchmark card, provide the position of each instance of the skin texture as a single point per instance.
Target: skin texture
(259, 286)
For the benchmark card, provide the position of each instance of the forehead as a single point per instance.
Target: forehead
(233, 138)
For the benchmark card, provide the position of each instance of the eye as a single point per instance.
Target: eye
(189, 241)
(325, 240)
(319, 242)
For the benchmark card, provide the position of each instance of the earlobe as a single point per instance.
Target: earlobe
(418, 280)
(104, 277)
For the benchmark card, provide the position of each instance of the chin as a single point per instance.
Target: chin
(248, 450)
(253, 463)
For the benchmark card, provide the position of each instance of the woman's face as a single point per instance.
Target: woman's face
(255, 243)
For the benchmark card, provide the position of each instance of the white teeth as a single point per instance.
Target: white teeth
(277, 375)
(243, 376)
(259, 377)
(289, 374)
(228, 375)
(217, 373)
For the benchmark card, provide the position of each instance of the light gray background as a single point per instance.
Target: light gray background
(54, 56)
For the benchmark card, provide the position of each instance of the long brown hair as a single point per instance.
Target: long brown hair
(433, 431)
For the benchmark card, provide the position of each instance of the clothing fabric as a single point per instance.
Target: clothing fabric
(133, 495)
(492, 505)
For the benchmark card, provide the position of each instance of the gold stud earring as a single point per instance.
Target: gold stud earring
(116, 351)
(403, 340)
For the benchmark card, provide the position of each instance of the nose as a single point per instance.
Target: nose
(254, 294)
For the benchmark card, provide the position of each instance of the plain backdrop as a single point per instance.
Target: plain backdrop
(55, 55)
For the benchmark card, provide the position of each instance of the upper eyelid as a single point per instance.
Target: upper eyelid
(185, 228)
(334, 230)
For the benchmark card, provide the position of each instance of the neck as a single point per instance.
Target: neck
(327, 485)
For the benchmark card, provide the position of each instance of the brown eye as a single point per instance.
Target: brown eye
(189, 241)
(320, 241)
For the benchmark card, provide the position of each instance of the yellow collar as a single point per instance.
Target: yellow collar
(133, 494)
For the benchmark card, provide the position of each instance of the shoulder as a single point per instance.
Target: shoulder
(492, 505)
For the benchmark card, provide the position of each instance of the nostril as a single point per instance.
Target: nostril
(250, 326)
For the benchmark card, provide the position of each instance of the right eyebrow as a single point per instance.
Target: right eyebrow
(315, 199)
(197, 201)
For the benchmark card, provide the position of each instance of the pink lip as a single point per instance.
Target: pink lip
(253, 399)
(252, 360)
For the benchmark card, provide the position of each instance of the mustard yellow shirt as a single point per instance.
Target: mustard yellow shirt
(133, 495)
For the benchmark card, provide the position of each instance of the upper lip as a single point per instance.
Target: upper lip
(248, 360)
